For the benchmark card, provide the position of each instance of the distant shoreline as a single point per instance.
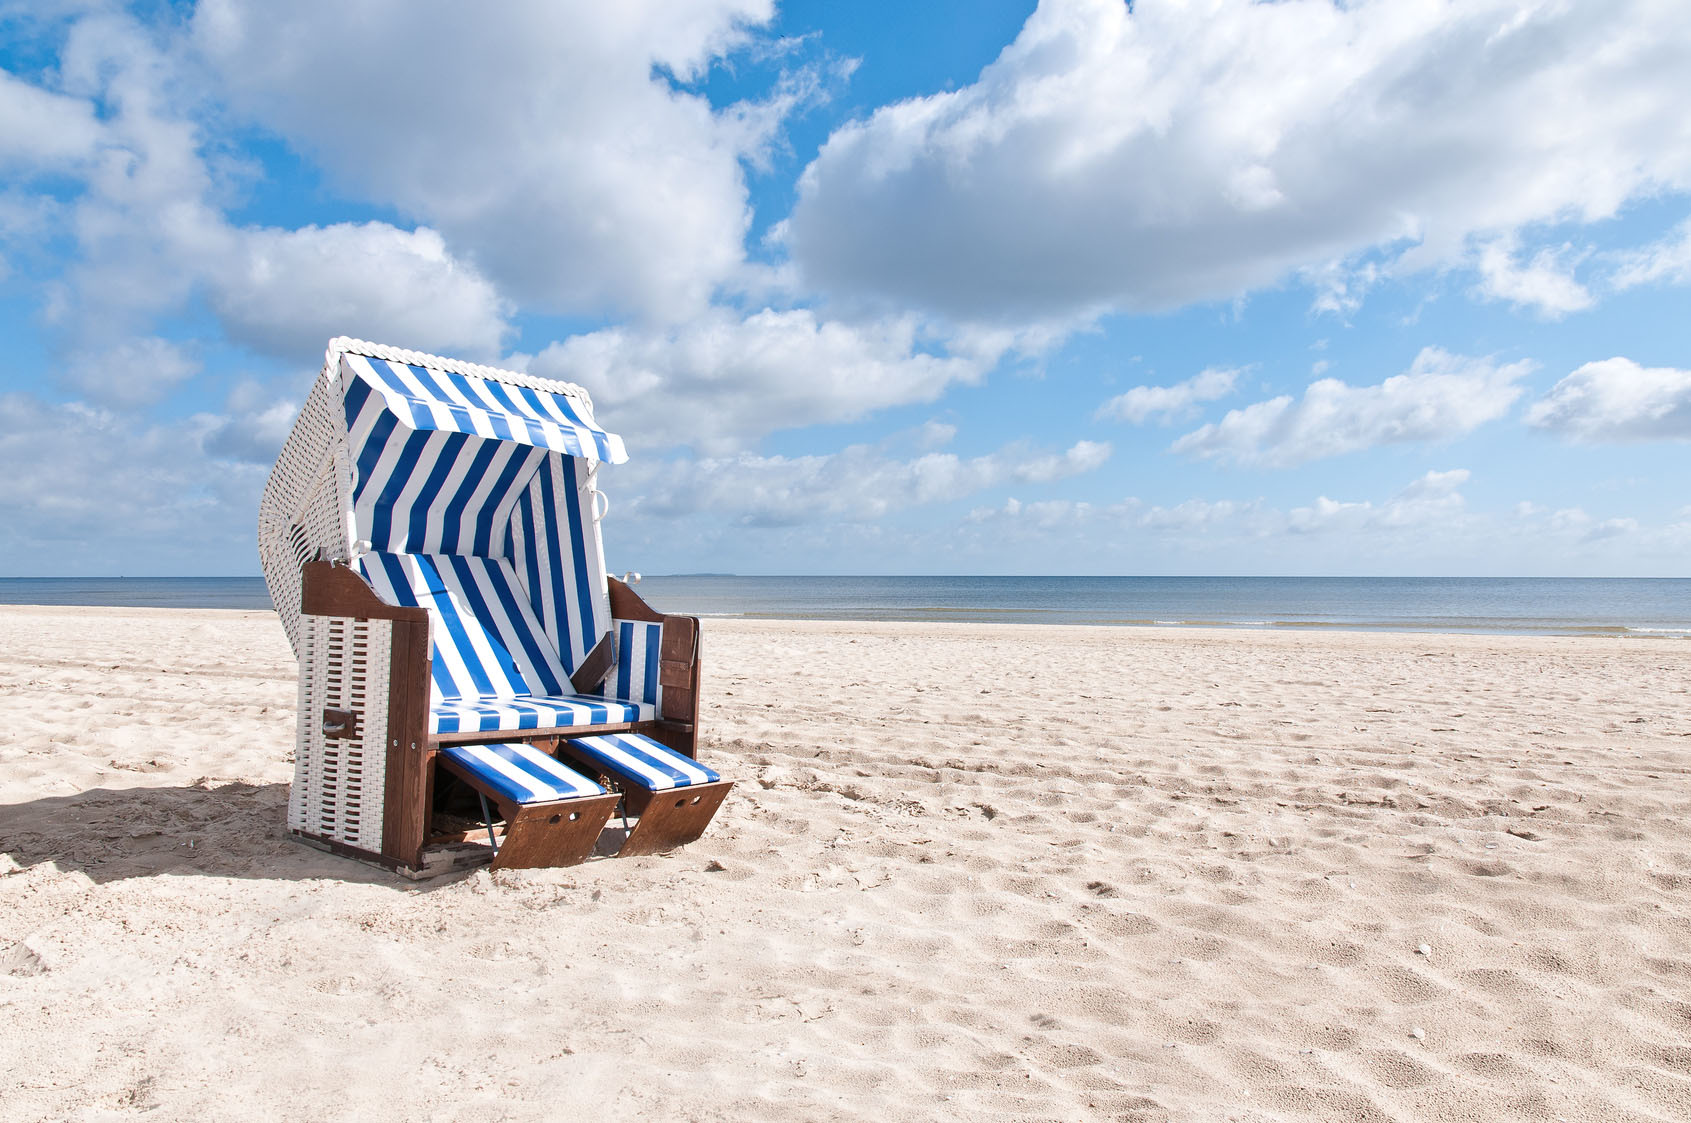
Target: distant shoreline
(1621, 607)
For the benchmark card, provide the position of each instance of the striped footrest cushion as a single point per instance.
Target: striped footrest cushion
(643, 761)
(521, 773)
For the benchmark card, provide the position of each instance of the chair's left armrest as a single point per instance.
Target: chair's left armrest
(327, 589)
(336, 591)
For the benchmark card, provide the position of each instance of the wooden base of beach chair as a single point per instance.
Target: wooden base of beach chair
(670, 818)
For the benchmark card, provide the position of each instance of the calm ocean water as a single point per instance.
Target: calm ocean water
(137, 592)
(1561, 606)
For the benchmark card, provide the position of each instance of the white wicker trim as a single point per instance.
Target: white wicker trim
(340, 784)
(300, 512)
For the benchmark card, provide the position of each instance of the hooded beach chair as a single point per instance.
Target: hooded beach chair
(430, 538)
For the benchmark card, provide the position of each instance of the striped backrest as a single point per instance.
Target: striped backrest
(553, 544)
(487, 641)
(635, 677)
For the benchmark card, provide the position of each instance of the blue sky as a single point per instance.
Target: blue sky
(960, 287)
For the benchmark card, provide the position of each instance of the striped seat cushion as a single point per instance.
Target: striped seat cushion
(497, 715)
(521, 773)
(635, 675)
(643, 761)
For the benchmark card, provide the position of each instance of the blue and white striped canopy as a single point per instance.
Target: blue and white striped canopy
(435, 476)
(426, 400)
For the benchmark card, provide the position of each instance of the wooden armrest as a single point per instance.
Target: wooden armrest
(626, 604)
(327, 589)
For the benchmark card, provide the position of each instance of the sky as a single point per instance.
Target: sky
(1381, 287)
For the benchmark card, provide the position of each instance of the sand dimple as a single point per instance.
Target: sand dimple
(969, 872)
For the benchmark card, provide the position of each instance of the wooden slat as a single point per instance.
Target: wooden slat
(405, 809)
(343, 850)
(679, 704)
(676, 735)
(673, 818)
(546, 835)
(678, 670)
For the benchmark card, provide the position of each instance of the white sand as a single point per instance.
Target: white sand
(969, 872)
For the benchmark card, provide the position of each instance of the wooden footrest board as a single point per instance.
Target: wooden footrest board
(674, 796)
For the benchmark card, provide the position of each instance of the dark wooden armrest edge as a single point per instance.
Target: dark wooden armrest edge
(327, 589)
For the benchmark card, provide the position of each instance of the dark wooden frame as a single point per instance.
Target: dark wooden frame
(328, 589)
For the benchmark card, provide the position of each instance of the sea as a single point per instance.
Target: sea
(1602, 606)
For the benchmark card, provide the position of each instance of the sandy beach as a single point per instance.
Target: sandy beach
(970, 871)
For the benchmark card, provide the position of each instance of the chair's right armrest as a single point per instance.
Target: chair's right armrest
(678, 655)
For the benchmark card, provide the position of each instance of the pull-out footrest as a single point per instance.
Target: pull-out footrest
(553, 814)
(674, 796)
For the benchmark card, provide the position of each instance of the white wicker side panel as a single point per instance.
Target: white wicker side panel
(300, 511)
(339, 783)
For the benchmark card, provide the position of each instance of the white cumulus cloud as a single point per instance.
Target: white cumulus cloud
(150, 493)
(1617, 400)
(1441, 397)
(1149, 155)
(41, 131)
(858, 483)
(1141, 402)
(1545, 283)
(290, 291)
(1667, 260)
(1192, 515)
(723, 379)
(133, 372)
(1082, 456)
(1432, 500)
(151, 235)
(546, 136)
